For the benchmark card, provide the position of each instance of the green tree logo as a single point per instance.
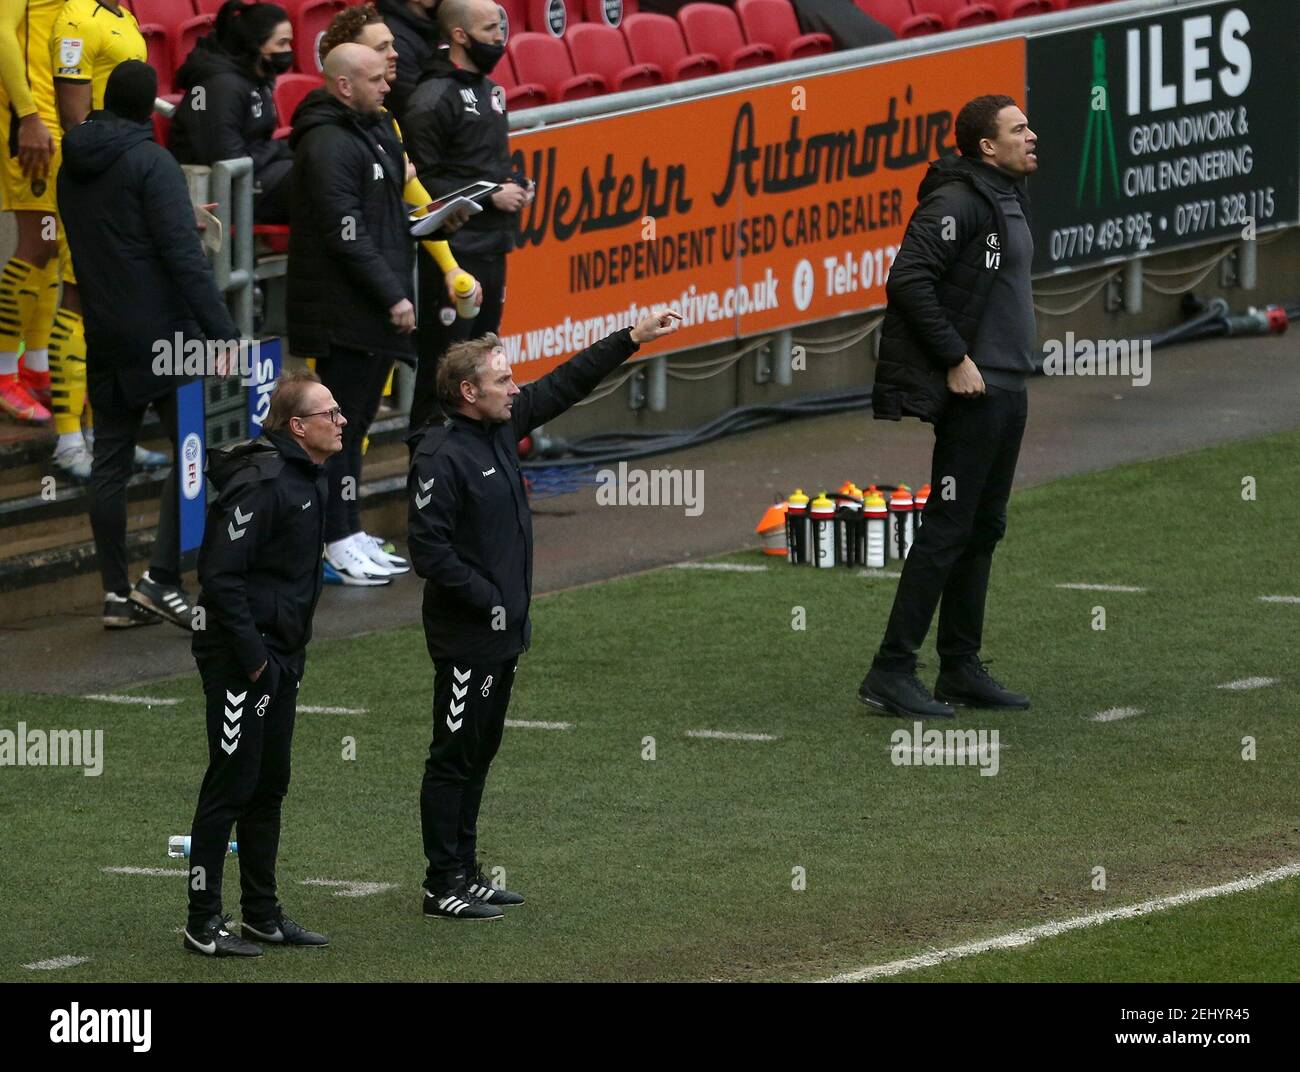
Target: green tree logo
(1099, 133)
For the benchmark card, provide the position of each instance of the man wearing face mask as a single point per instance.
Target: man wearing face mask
(457, 133)
(229, 105)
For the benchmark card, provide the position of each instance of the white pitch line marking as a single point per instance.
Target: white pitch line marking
(349, 888)
(312, 710)
(1114, 714)
(1102, 587)
(879, 573)
(54, 963)
(1279, 599)
(155, 871)
(723, 735)
(1051, 929)
(723, 567)
(1248, 683)
(524, 724)
(148, 701)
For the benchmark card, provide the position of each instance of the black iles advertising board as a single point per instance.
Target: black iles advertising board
(1164, 131)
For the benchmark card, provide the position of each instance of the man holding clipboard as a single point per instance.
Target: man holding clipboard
(457, 134)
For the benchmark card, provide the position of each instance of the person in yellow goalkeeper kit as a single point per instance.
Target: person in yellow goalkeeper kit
(29, 281)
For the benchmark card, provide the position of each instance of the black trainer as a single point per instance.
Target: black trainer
(480, 886)
(166, 600)
(902, 694)
(967, 684)
(215, 940)
(282, 931)
(458, 903)
(123, 613)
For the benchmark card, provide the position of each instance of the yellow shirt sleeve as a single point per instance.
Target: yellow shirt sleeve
(13, 71)
(74, 45)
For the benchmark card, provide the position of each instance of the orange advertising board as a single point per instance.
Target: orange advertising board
(746, 212)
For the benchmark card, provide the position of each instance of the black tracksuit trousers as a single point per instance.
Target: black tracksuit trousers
(117, 430)
(250, 730)
(976, 446)
(469, 715)
(356, 379)
(440, 327)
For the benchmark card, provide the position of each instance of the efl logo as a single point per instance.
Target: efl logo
(76, 1024)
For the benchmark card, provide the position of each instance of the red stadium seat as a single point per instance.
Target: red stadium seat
(657, 39)
(185, 35)
(310, 19)
(958, 14)
(160, 54)
(165, 13)
(1019, 9)
(518, 96)
(899, 17)
(773, 22)
(514, 16)
(289, 92)
(716, 28)
(541, 58)
(209, 7)
(548, 17)
(274, 237)
(601, 50)
(608, 12)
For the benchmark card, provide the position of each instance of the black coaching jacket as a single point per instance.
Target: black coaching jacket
(457, 132)
(350, 254)
(260, 565)
(937, 288)
(471, 530)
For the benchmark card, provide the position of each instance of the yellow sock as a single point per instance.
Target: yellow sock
(18, 292)
(47, 301)
(67, 371)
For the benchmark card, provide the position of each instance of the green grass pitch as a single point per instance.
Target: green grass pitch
(688, 865)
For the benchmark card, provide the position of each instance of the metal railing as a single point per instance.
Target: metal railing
(229, 184)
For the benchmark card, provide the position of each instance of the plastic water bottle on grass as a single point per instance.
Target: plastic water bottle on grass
(178, 847)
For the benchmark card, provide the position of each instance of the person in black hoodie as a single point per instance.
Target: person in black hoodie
(260, 573)
(471, 538)
(350, 264)
(229, 105)
(956, 346)
(416, 38)
(457, 133)
(145, 283)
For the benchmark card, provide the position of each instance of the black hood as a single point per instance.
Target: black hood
(421, 24)
(319, 109)
(93, 147)
(956, 168)
(224, 462)
(207, 59)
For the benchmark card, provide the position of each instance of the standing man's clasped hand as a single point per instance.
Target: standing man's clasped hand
(964, 379)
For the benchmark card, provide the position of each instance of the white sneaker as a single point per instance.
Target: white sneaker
(373, 548)
(353, 567)
(74, 461)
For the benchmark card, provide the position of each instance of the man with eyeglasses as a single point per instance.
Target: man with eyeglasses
(260, 573)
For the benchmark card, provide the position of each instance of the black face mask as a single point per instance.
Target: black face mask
(280, 62)
(483, 55)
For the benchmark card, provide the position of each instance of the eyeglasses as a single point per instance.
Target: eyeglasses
(333, 414)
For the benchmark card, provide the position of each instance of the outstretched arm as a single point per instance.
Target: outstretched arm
(545, 399)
